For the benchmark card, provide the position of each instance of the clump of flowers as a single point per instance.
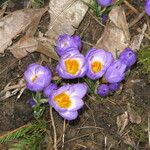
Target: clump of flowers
(97, 64)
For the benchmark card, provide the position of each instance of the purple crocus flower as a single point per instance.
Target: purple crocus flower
(98, 61)
(37, 77)
(67, 100)
(71, 65)
(147, 6)
(103, 90)
(66, 43)
(31, 102)
(104, 3)
(116, 72)
(114, 86)
(128, 56)
(48, 90)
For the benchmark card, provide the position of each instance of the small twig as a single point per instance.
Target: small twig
(76, 138)
(12, 87)
(91, 113)
(96, 19)
(145, 34)
(137, 19)
(149, 128)
(131, 7)
(63, 136)
(90, 127)
(54, 128)
(85, 42)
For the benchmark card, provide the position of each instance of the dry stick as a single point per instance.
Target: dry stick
(54, 128)
(12, 87)
(96, 19)
(85, 42)
(149, 128)
(76, 138)
(63, 136)
(91, 113)
(145, 34)
(90, 127)
(139, 17)
(131, 7)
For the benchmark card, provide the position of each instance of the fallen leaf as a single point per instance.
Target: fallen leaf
(16, 23)
(133, 116)
(24, 46)
(122, 121)
(66, 16)
(137, 39)
(127, 140)
(116, 34)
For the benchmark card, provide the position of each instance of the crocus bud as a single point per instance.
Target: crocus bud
(116, 72)
(67, 100)
(37, 77)
(103, 90)
(66, 43)
(31, 102)
(114, 86)
(98, 60)
(48, 90)
(147, 7)
(105, 3)
(128, 56)
(71, 65)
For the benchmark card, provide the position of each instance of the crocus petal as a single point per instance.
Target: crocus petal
(77, 69)
(56, 107)
(69, 115)
(76, 103)
(49, 89)
(105, 3)
(37, 77)
(147, 7)
(103, 60)
(66, 43)
(80, 90)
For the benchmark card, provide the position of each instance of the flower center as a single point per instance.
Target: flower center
(96, 66)
(34, 78)
(72, 66)
(63, 100)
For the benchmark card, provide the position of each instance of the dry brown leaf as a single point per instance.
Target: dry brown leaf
(133, 116)
(116, 34)
(66, 16)
(24, 46)
(137, 39)
(127, 139)
(122, 121)
(15, 23)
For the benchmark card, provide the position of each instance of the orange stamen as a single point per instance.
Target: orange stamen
(72, 66)
(63, 100)
(96, 66)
